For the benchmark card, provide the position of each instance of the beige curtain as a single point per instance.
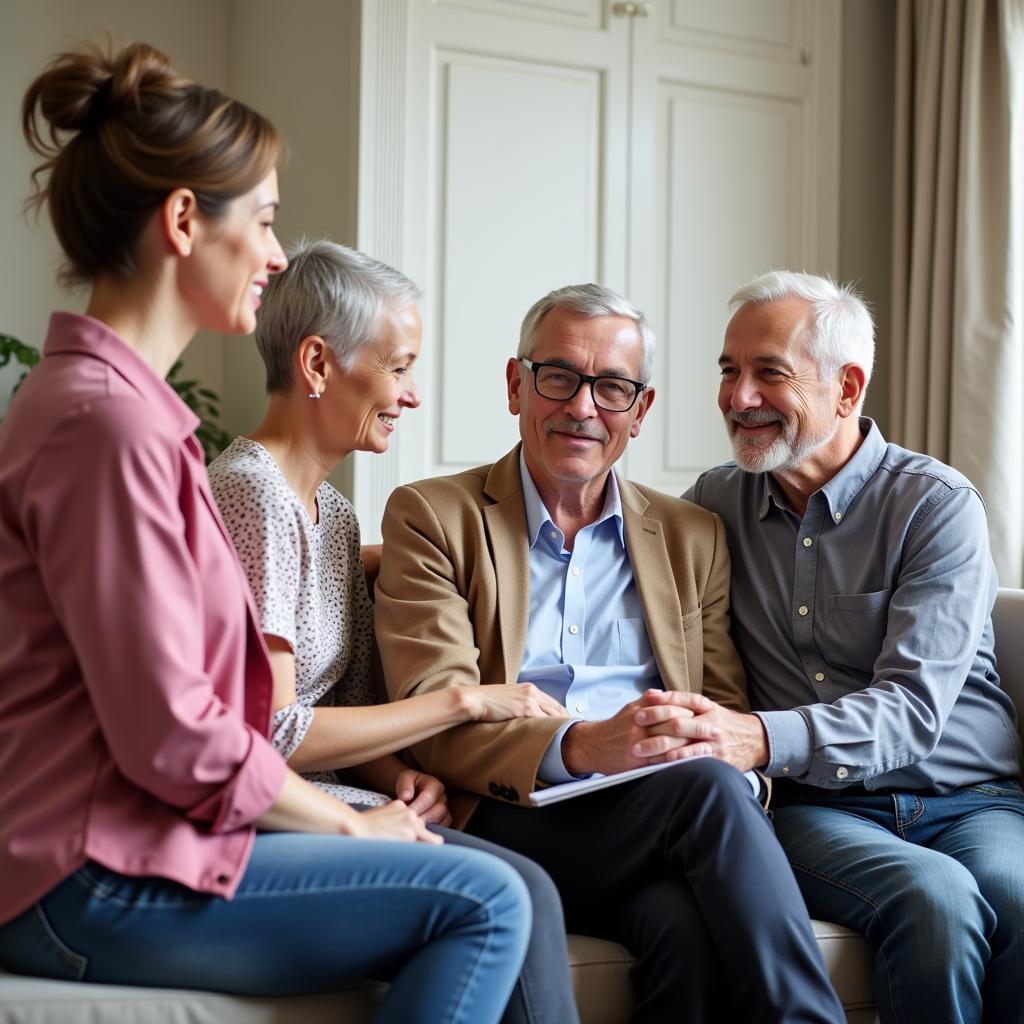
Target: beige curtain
(958, 269)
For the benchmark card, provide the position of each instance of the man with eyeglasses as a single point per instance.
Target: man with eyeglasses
(548, 567)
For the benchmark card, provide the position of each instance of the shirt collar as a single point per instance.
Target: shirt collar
(840, 491)
(84, 335)
(537, 516)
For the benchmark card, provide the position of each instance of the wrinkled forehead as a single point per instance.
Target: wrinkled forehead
(780, 329)
(592, 344)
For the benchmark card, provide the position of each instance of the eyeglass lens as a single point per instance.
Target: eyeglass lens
(560, 384)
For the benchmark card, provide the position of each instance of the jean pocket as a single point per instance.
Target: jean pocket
(1006, 789)
(29, 945)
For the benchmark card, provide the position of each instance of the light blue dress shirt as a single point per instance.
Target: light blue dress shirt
(587, 643)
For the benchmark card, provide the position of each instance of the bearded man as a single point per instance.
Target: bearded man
(862, 592)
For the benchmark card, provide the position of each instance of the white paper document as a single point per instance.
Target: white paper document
(567, 790)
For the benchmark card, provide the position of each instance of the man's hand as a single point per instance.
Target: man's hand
(739, 739)
(424, 795)
(626, 740)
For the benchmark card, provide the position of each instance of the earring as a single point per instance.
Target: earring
(314, 394)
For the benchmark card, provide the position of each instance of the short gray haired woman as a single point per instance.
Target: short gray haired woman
(339, 333)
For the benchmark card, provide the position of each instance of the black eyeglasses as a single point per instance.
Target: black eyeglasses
(559, 383)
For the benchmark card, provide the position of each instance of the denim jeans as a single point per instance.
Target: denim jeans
(447, 926)
(936, 884)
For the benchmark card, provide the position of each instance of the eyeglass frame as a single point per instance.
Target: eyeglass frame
(587, 379)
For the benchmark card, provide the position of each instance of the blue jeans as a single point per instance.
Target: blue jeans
(447, 926)
(936, 884)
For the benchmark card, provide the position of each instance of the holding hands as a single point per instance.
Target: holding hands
(674, 720)
(665, 725)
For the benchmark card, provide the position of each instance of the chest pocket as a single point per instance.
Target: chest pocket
(632, 646)
(856, 629)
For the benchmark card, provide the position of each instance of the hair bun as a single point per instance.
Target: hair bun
(80, 88)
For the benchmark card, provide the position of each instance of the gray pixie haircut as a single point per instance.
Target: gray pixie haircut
(330, 290)
(842, 328)
(589, 300)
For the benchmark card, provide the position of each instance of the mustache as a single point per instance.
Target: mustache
(581, 428)
(755, 416)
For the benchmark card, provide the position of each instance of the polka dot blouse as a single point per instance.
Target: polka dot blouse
(307, 580)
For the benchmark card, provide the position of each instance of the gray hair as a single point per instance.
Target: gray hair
(842, 328)
(332, 291)
(589, 300)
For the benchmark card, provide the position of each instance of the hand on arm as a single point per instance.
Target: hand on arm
(343, 737)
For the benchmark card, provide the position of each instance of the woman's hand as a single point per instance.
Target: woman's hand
(395, 822)
(499, 702)
(425, 795)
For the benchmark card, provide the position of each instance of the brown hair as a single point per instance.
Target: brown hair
(124, 131)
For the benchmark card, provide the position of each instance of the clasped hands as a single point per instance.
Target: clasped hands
(665, 725)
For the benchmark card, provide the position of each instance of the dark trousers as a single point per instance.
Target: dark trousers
(543, 993)
(683, 868)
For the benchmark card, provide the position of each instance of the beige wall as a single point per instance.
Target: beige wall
(192, 32)
(299, 65)
(300, 70)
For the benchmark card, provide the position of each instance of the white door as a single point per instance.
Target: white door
(509, 147)
(735, 171)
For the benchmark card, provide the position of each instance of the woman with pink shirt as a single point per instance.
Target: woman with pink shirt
(149, 832)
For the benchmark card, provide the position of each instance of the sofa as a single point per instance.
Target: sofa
(600, 969)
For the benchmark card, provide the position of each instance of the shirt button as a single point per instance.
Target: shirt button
(802, 609)
(574, 630)
(839, 515)
(785, 771)
(553, 534)
(842, 772)
(580, 708)
(808, 542)
(575, 570)
(223, 879)
(819, 676)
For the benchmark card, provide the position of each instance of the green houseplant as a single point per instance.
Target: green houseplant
(22, 354)
(202, 401)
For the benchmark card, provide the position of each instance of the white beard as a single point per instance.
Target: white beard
(787, 451)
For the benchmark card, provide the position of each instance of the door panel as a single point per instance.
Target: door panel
(514, 146)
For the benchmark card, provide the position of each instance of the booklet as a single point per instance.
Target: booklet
(567, 790)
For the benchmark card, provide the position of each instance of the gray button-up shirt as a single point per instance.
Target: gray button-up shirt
(865, 626)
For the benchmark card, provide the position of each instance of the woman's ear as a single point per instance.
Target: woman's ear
(179, 215)
(313, 356)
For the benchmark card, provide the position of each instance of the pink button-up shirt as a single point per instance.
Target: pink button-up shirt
(135, 689)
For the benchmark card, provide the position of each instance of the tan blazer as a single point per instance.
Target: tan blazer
(452, 609)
